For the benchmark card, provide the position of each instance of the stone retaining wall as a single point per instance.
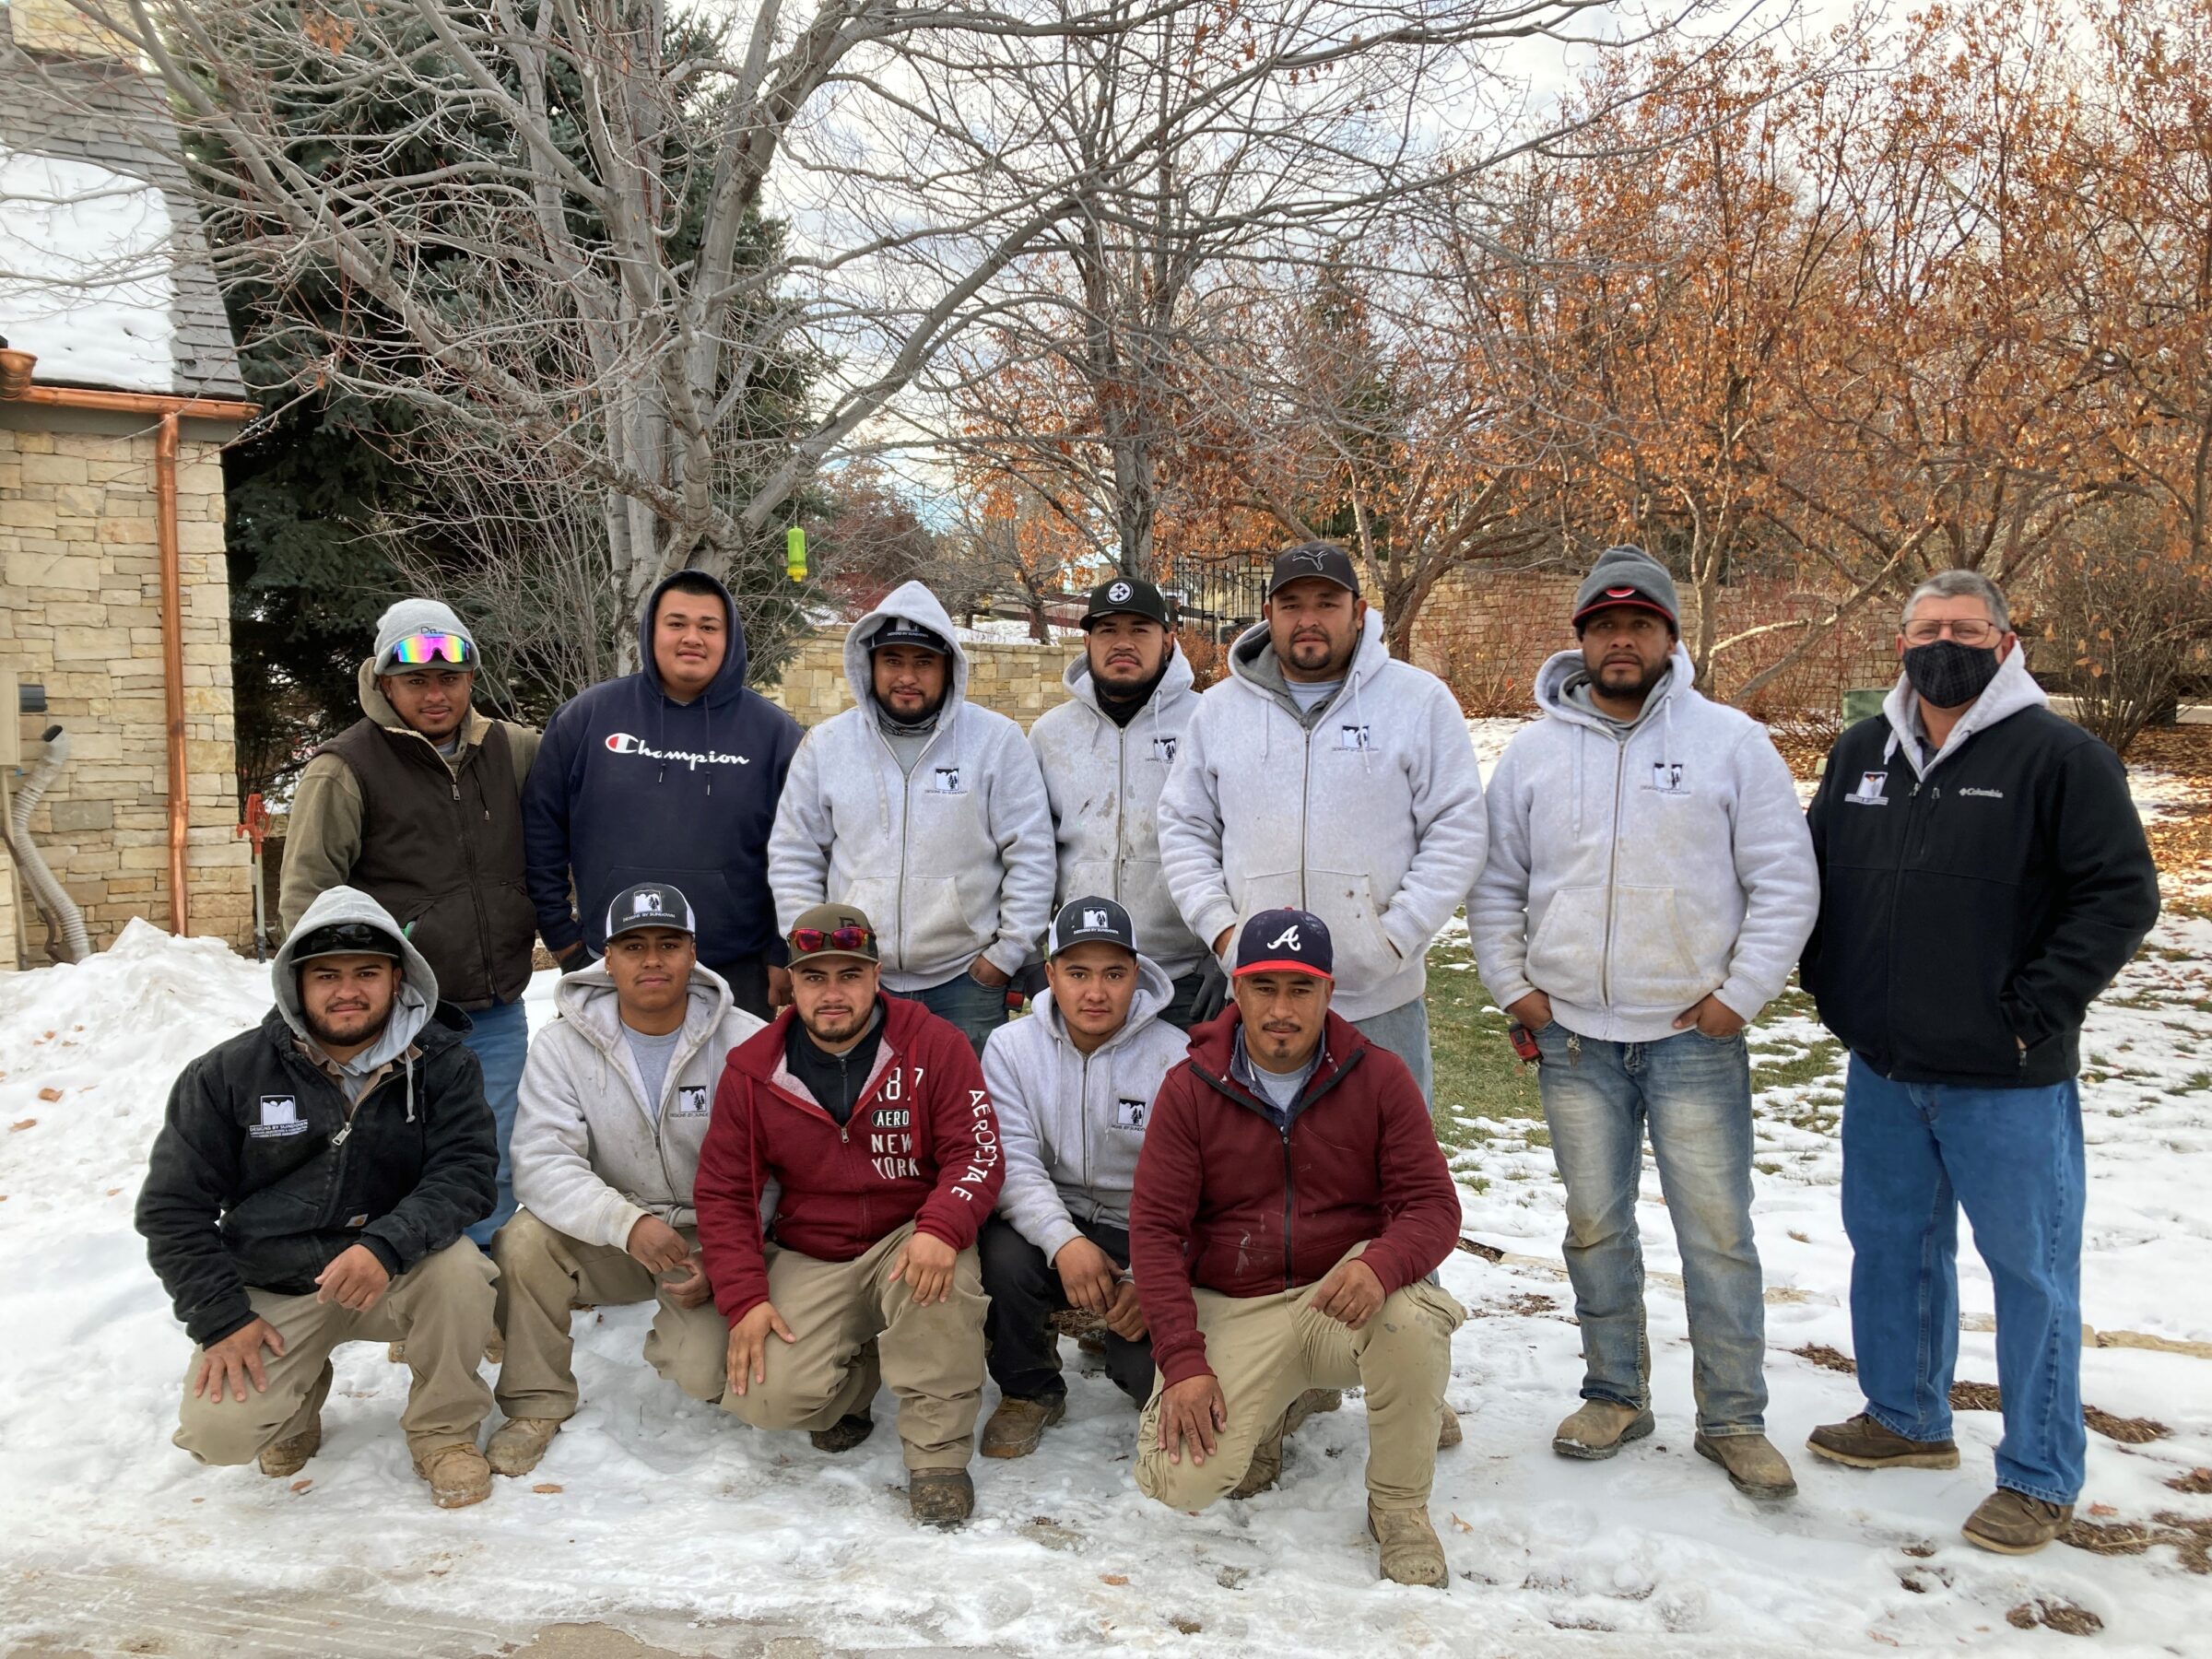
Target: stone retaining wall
(1019, 680)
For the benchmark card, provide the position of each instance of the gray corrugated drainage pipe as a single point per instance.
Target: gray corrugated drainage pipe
(66, 938)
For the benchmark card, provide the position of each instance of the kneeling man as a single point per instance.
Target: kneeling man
(869, 1113)
(1072, 1086)
(1291, 1203)
(616, 1100)
(309, 1187)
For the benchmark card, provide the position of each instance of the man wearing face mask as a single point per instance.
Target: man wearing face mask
(1984, 876)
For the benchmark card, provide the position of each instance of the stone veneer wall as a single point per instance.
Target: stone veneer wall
(1019, 680)
(80, 612)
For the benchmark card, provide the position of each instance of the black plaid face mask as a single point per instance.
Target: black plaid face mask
(1949, 675)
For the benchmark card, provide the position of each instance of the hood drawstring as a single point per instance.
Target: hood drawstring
(1582, 736)
(661, 717)
(410, 1071)
(1360, 720)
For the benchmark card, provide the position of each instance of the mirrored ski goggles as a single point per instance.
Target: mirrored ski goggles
(418, 651)
(814, 941)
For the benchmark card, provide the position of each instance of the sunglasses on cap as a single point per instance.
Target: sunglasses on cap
(345, 938)
(417, 650)
(811, 941)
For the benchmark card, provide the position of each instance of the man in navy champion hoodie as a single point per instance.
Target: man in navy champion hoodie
(668, 774)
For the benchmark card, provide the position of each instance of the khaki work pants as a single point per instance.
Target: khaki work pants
(932, 1357)
(543, 1272)
(441, 1308)
(1267, 1350)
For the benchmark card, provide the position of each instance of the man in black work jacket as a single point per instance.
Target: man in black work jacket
(309, 1187)
(1983, 876)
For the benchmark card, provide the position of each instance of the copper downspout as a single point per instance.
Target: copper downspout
(170, 411)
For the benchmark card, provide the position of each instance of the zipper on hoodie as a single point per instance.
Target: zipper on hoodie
(1605, 959)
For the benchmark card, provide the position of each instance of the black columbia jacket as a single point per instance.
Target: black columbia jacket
(1980, 906)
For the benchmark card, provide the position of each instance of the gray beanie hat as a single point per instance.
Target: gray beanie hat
(1627, 576)
(416, 617)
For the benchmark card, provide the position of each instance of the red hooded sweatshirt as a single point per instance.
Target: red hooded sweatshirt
(921, 1146)
(1227, 1200)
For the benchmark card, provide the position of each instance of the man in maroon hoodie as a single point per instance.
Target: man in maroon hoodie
(869, 1112)
(1291, 1203)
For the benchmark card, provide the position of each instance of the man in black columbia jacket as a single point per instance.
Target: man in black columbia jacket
(309, 1187)
(1983, 876)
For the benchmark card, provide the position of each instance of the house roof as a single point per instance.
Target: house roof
(104, 271)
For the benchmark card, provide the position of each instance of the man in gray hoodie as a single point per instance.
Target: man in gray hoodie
(1073, 1085)
(1649, 886)
(925, 812)
(615, 1102)
(1325, 776)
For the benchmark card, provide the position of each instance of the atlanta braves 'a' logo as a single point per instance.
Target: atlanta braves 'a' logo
(1286, 940)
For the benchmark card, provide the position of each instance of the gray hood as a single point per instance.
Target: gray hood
(418, 989)
(1252, 660)
(588, 999)
(1564, 669)
(908, 600)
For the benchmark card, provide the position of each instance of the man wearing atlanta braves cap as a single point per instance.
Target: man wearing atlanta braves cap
(1649, 886)
(1324, 773)
(1106, 753)
(1072, 1086)
(1291, 1206)
(615, 1102)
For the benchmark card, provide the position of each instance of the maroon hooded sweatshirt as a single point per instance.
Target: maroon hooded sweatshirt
(921, 1146)
(1228, 1200)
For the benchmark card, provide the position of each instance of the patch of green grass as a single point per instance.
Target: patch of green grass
(1477, 1074)
(2196, 1082)
(1777, 1068)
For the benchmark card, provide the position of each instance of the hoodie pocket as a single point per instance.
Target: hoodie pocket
(1655, 963)
(1364, 956)
(1567, 946)
(936, 931)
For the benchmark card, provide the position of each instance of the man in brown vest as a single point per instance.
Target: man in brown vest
(418, 804)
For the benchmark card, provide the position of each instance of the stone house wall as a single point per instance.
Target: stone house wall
(80, 613)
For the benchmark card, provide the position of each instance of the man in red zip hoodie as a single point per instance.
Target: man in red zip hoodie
(1291, 1203)
(870, 1113)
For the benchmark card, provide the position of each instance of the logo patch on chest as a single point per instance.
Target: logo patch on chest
(1129, 1113)
(279, 1117)
(1163, 751)
(946, 781)
(1869, 791)
(1353, 738)
(1667, 777)
(690, 1100)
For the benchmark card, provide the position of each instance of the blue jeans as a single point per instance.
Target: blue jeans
(1913, 1154)
(499, 1037)
(1695, 1094)
(977, 1009)
(1404, 1031)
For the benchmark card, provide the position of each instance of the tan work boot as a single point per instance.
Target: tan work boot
(519, 1442)
(940, 1497)
(1266, 1465)
(458, 1476)
(2014, 1524)
(289, 1457)
(1599, 1429)
(1865, 1444)
(1448, 1431)
(1412, 1553)
(1018, 1425)
(844, 1434)
(1312, 1403)
(1753, 1467)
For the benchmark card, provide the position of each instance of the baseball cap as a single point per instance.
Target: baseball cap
(345, 938)
(905, 630)
(1279, 940)
(649, 904)
(1325, 560)
(1091, 922)
(832, 930)
(1126, 596)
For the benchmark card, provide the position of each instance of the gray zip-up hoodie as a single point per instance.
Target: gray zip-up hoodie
(1366, 812)
(1632, 872)
(1103, 781)
(591, 1154)
(1071, 1124)
(949, 862)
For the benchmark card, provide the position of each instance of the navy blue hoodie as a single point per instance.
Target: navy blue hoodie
(630, 785)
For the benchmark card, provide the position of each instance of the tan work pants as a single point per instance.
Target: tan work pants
(543, 1272)
(441, 1308)
(932, 1357)
(1267, 1350)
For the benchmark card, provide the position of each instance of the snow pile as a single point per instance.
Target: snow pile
(84, 280)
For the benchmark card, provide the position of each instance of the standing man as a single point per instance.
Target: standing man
(309, 1187)
(869, 1113)
(1321, 774)
(667, 774)
(1649, 885)
(925, 812)
(1072, 1086)
(1290, 1203)
(1105, 754)
(418, 805)
(1983, 876)
(615, 1102)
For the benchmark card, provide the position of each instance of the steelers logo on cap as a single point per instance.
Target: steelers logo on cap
(1118, 592)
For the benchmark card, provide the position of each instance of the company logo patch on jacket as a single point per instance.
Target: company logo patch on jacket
(1353, 738)
(1869, 790)
(946, 781)
(1130, 1114)
(691, 1101)
(1163, 751)
(279, 1117)
(1667, 777)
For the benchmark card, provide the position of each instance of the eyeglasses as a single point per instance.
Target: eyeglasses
(418, 651)
(806, 941)
(1972, 630)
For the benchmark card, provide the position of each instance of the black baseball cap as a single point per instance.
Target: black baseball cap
(649, 904)
(1094, 921)
(345, 938)
(905, 630)
(1278, 941)
(1126, 596)
(1325, 560)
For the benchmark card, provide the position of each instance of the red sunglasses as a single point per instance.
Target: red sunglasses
(806, 941)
